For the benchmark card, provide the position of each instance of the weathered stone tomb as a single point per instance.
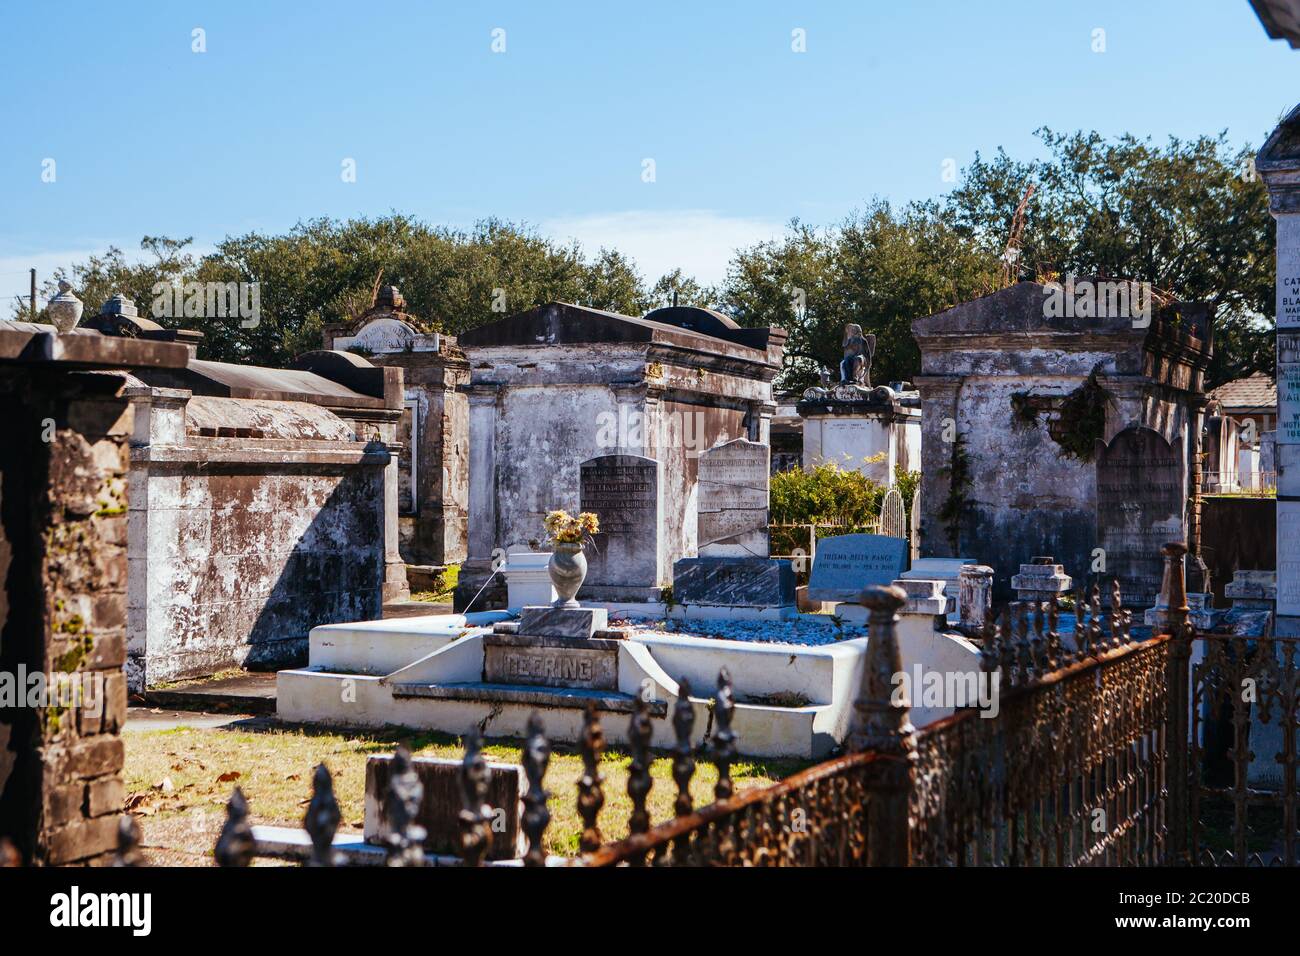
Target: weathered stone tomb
(579, 409)
(1074, 435)
(433, 464)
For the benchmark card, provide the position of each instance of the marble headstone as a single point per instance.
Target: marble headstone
(1141, 498)
(732, 500)
(846, 564)
(624, 493)
(733, 582)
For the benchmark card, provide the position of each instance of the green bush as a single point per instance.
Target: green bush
(828, 493)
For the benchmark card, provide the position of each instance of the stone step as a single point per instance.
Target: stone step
(249, 693)
(564, 698)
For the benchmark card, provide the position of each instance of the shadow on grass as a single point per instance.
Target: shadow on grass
(385, 740)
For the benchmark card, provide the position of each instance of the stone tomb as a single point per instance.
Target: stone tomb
(732, 500)
(1141, 499)
(627, 559)
(846, 564)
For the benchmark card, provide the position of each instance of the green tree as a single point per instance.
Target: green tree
(1190, 217)
(880, 268)
(687, 290)
(96, 279)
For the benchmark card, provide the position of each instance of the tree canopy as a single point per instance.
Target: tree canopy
(1188, 216)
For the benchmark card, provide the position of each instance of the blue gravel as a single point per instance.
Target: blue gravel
(809, 630)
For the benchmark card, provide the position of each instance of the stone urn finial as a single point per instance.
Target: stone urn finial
(119, 304)
(64, 310)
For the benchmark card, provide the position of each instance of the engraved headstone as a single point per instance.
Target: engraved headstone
(1288, 558)
(1288, 387)
(624, 493)
(733, 582)
(732, 500)
(380, 335)
(846, 564)
(515, 659)
(1140, 503)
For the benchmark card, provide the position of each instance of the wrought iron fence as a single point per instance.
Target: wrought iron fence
(1244, 710)
(1102, 751)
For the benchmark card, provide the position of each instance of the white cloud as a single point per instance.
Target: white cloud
(15, 279)
(700, 241)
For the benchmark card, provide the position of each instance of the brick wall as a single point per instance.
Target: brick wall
(63, 468)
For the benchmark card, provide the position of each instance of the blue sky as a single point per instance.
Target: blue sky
(149, 137)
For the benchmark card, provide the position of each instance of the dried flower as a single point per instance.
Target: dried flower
(564, 527)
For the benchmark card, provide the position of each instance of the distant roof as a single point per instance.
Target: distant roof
(1254, 391)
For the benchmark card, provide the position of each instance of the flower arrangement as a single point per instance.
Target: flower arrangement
(564, 527)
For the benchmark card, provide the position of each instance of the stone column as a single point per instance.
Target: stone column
(396, 587)
(380, 428)
(159, 420)
(759, 421)
(939, 395)
(1278, 163)
(484, 402)
(633, 419)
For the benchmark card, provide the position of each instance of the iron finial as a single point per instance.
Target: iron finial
(591, 793)
(537, 756)
(235, 845)
(322, 819)
(475, 813)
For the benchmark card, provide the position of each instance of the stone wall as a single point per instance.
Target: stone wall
(240, 545)
(63, 532)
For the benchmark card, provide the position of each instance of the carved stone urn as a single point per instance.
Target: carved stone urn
(64, 310)
(568, 568)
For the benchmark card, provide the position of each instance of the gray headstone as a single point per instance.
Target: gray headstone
(847, 564)
(732, 500)
(734, 582)
(1140, 502)
(623, 492)
(442, 803)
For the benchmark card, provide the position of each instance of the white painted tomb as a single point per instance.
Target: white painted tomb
(431, 672)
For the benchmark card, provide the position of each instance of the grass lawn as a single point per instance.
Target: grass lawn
(444, 596)
(178, 780)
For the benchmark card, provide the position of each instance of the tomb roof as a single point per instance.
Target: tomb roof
(224, 380)
(563, 323)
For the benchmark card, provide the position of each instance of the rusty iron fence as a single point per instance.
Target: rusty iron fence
(1244, 712)
(1104, 750)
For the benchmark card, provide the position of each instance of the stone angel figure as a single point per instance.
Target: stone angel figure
(855, 367)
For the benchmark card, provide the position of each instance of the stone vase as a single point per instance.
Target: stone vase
(568, 568)
(64, 310)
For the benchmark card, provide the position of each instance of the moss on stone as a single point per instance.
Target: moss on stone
(1080, 421)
